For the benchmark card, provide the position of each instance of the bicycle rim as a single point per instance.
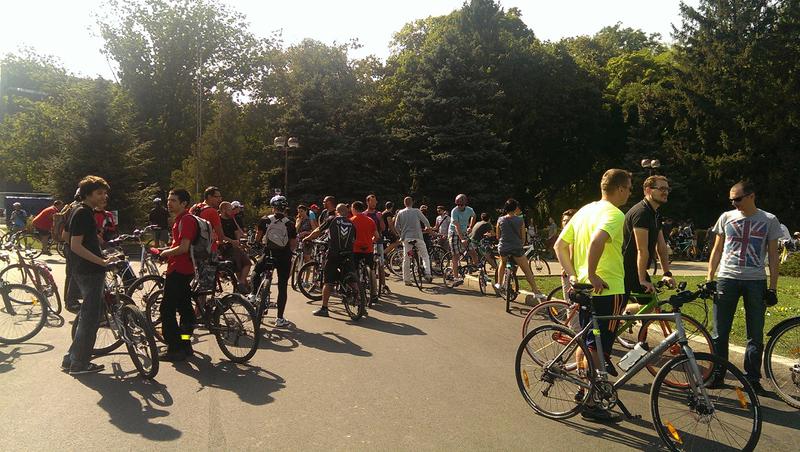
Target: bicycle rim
(782, 363)
(23, 313)
(549, 311)
(309, 282)
(140, 342)
(152, 314)
(234, 326)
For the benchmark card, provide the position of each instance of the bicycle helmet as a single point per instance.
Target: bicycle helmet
(16, 204)
(461, 199)
(156, 200)
(279, 201)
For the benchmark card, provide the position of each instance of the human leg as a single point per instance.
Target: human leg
(91, 288)
(754, 310)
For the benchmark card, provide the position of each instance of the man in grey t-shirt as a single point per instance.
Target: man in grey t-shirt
(744, 237)
(408, 223)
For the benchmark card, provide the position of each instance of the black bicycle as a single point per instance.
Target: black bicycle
(782, 360)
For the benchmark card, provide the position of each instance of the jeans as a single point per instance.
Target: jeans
(728, 293)
(177, 299)
(91, 288)
(71, 291)
(423, 253)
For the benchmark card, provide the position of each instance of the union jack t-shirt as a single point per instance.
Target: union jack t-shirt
(746, 238)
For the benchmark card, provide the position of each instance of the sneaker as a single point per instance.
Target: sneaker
(321, 312)
(90, 368)
(172, 356)
(386, 289)
(372, 300)
(280, 323)
(187, 348)
(717, 381)
(428, 279)
(66, 364)
(579, 395)
(595, 414)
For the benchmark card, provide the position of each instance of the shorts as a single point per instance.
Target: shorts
(604, 305)
(456, 246)
(237, 256)
(368, 259)
(518, 252)
(336, 266)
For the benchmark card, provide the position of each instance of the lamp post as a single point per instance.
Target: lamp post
(284, 144)
(651, 164)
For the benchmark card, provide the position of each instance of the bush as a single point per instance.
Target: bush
(792, 265)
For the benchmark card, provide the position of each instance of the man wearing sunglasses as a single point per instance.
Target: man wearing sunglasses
(744, 237)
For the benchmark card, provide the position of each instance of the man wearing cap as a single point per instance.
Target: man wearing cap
(159, 217)
(237, 210)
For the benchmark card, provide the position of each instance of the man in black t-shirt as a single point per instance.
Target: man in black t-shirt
(231, 248)
(88, 272)
(159, 217)
(643, 237)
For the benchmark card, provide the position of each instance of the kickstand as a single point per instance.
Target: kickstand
(626, 412)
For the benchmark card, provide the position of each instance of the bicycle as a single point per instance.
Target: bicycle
(415, 264)
(23, 312)
(782, 360)
(555, 387)
(310, 275)
(466, 267)
(231, 319)
(28, 270)
(122, 322)
(537, 263)
(26, 240)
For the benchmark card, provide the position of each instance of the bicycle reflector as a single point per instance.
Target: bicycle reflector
(742, 399)
(525, 379)
(186, 337)
(34, 301)
(675, 435)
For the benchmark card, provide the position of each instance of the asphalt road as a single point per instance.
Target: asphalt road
(425, 371)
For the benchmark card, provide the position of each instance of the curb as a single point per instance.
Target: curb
(472, 283)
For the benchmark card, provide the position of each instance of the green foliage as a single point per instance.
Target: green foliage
(791, 267)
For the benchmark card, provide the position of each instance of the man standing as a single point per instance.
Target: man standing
(363, 246)
(43, 223)
(372, 213)
(744, 237)
(159, 216)
(207, 210)
(643, 237)
(88, 272)
(232, 247)
(409, 223)
(330, 209)
(442, 224)
(462, 218)
(180, 272)
(71, 292)
(596, 234)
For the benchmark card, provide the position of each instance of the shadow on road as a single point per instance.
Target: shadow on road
(133, 403)
(401, 329)
(406, 300)
(289, 339)
(10, 353)
(252, 384)
(620, 434)
(402, 309)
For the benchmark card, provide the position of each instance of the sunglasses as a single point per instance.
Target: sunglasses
(739, 199)
(662, 189)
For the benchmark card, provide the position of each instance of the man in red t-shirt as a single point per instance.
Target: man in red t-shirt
(177, 289)
(366, 235)
(44, 223)
(208, 210)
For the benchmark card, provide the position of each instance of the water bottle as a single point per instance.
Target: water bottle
(632, 357)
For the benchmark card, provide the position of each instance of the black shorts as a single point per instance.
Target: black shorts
(336, 266)
(604, 305)
(368, 259)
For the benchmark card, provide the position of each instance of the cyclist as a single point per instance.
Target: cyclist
(43, 223)
(410, 222)
(643, 237)
(340, 246)
(390, 234)
(159, 216)
(372, 212)
(238, 216)
(366, 236)
(106, 226)
(511, 234)
(426, 231)
(596, 236)
(329, 202)
(462, 218)
(207, 210)
(482, 236)
(180, 272)
(744, 237)
(304, 226)
(89, 272)
(313, 214)
(278, 234)
(18, 217)
(231, 248)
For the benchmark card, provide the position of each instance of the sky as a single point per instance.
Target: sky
(66, 29)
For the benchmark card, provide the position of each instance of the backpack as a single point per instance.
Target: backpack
(276, 236)
(200, 249)
(343, 234)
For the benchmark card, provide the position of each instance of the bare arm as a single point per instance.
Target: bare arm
(183, 248)
(716, 255)
(596, 247)
(641, 235)
(772, 252)
(663, 257)
(561, 249)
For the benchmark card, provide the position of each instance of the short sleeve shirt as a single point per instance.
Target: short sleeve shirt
(185, 227)
(510, 229)
(44, 220)
(641, 215)
(82, 224)
(746, 239)
(593, 217)
(443, 221)
(229, 227)
(365, 233)
(461, 218)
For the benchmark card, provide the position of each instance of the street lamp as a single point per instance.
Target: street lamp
(283, 143)
(651, 164)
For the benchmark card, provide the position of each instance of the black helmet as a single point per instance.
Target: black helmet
(279, 201)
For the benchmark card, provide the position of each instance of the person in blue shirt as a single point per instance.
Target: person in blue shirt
(18, 217)
(462, 218)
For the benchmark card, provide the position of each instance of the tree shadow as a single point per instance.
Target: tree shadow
(10, 353)
(133, 403)
(252, 384)
(401, 329)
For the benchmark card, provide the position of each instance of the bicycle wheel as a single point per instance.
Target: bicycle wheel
(683, 419)
(546, 372)
(235, 326)
(310, 281)
(782, 363)
(141, 344)
(37, 278)
(107, 339)
(538, 265)
(16, 274)
(50, 290)
(416, 271)
(351, 298)
(61, 249)
(483, 279)
(23, 313)
(142, 288)
(31, 243)
(152, 313)
(297, 262)
(553, 311)
(653, 332)
(627, 336)
(436, 254)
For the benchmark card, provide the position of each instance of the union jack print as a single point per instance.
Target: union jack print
(744, 242)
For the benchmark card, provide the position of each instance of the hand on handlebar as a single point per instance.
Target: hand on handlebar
(669, 281)
(598, 284)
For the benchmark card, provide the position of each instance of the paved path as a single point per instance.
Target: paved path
(426, 371)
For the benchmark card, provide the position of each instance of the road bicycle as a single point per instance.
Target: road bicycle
(23, 312)
(30, 271)
(30, 242)
(782, 360)
(688, 413)
(122, 322)
(509, 286)
(632, 331)
(415, 263)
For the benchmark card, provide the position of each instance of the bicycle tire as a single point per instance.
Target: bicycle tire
(41, 281)
(774, 371)
(152, 314)
(436, 253)
(416, 271)
(539, 265)
(297, 262)
(107, 338)
(738, 398)
(141, 346)
(553, 311)
(52, 293)
(482, 279)
(226, 282)
(30, 242)
(553, 293)
(695, 332)
(351, 298)
(21, 304)
(510, 287)
(142, 288)
(536, 351)
(309, 281)
(61, 249)
(229, 325)
(15, 274)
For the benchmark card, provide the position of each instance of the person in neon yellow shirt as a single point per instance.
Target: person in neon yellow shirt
(595, 234)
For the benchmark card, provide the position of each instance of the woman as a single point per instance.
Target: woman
(304, 226)
(511, 231)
